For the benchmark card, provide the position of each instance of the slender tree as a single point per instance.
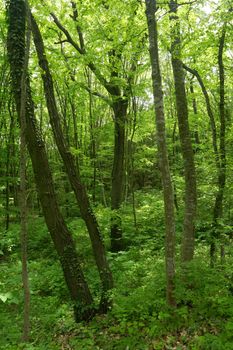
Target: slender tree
(188, 238)
(23, 183)
(162, 148)
(219, 151)
(218, 206)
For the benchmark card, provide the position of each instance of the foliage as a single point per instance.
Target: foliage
(139, 317)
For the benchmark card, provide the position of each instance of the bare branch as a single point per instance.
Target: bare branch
(75, 19)
(61, 42)
(96, 93)
(67, 34)
(108, 86)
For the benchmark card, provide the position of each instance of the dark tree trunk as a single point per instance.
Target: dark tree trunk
(194, 103)
(218, 206)
(64, 244)
(8, 174)
(72, 170)
(120, 110)
(163, 153)
(23, 186)
(119, 105)
(187, 245)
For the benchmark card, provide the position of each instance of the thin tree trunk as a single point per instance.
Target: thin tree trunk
(23, 185)
(92, 136)
(64, 244)
(194, 103)
(188, 238)
(8, 173)
(72, 170)
(163, 153)
(218, 206)
(219, 152)
(209, 111)
(120, 110)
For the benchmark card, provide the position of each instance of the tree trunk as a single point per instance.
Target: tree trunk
(120, 110)
(187, 245)
(64, 244)
(23, 185)
(218, 206)
(219, 152)
(72, 170)
(119, 104)
(162, 149)
(194, 103)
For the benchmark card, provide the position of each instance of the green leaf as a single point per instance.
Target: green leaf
(5, 296)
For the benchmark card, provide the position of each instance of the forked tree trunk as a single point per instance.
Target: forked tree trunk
(188, 238)
(119, 104)
(72, 170)
(162, 149)
(64, 244)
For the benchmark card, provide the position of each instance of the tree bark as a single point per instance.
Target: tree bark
(23, 185)
(163, 153)
(64, 244)
(72, 170)
(219, 152)
(218, 206)
(188, 238)
(120, 110)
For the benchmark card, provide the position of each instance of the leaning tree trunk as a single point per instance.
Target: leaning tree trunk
(72, 170)
(163, 153)
(64, 244)
(187, 246)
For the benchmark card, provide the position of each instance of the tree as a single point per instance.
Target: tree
(64, 244)
(162, 149)
(73, 172)
(23, 183)
(187, 246)
(117, 85)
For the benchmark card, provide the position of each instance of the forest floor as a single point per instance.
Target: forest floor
(139, 318)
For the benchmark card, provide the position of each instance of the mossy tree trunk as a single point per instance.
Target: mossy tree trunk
(64, 244)
(72, 169)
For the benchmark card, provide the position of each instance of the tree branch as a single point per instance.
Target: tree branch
(208, 106)
(96, 93)
(110, 87)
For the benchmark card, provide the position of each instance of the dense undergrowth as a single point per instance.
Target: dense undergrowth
(139, 318)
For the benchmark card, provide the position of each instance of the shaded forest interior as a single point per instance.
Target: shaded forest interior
(116, 196)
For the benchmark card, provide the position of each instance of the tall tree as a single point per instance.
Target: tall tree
(162, 148)
(117, 86)
(188, 238)
(64, 244)
(218, 206)
(72, 169)
(218, 148)
(23, 183)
